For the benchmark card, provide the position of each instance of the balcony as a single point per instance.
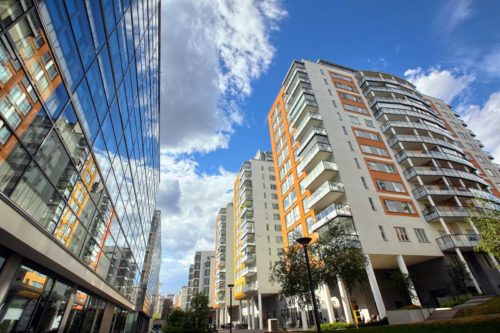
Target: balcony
(419, 139)
(305, 104)
(248, 271)
(320, 151)
(248, 258)
(297, 73)
(325, 195)
(430, 154)
(250, 287)
(246, 211)
(414, 125)
(435, 190)
(392, 100)
(310, 120)
(248, 242)
(435, 173)
(331, 213)
(247, 231)
(449, 214)
(312, 134)
(247, 223)
(322, 172)
(464, 242)
(400, 112)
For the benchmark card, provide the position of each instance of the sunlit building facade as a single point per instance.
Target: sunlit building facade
(397, 170)
(79, 161)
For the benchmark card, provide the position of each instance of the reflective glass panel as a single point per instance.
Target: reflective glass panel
(91, 252)
(81, 30)
(114, 49)
(71, 134)
(61, 36)
(70, 232)
(38, 198)
(13, 161)
(85, 110)
(95, 19)
(109, 14)
(77, 312)
(12, 9)
(21, 299)
(107, 75)
(97, 91)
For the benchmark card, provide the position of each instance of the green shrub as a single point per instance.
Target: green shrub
(330, 327)
(455, 301)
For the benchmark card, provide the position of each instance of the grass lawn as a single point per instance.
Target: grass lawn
(488, 308)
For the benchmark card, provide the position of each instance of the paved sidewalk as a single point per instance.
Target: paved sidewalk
(445, 314)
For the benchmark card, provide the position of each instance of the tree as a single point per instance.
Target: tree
(403, 285)
(488, 224)
(459, 277)
(201, 311)
(335, 255)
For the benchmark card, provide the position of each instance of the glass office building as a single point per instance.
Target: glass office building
(79, 161)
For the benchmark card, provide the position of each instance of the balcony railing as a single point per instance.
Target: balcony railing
(445, 213)
(432, 171)
(380, 99)
(248, 257)
(318, 148)
(425, 190)
(248, 271)
(393, 139)
(404, 154)
(422, 115)
(307, 138)
(328, 187)
(329, 213)
(460, 241)
(312, 118)
(305, 101)
(250, 287)
(409, 124)
(323, 167)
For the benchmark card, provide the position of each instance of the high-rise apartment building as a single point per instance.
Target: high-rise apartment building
(396, 169)
(257, 240)
(79, 161)
(199, 275)
(224, 265)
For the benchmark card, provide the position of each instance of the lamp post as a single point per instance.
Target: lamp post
(230, 286)
(304, 241)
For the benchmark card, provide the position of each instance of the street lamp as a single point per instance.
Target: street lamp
(304, 241)
(230, 286)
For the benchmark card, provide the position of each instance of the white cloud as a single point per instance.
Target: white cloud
(188, 218)
(453, 13)
(491, 62)
(485, 122)
(444, 84)
(211, 52)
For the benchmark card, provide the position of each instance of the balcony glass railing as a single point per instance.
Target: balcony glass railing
(307, 138)
(431, 171)
(303, 124)
(250, 287)
(393, 139)
(425, 190)
(318, 147)
(443, 212)
(323, 190)
(461, 241)
(248, 271)
(330, 213)
(301, 103)
(318, 170)
(421, 115)
(404, 154)
(409, 124)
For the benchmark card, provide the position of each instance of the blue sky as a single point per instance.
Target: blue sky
(226, 62)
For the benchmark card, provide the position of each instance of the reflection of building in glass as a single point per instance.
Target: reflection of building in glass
(79, 157)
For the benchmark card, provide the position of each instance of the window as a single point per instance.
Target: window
(326, 82)
(354, 120)
(272, 177)
(374, 150)
(350, 145)
(382, 233)
(401, 234)
(367, 135)
(292, 216)
(421, 236)
(369, 123)
(381, 167)
(322, 72)
(386, 185)
(357, 109)
(277, 227)
(344, 129)
(279, 239)
(350, 97)
(271, 169)
(330, 92)
(285, 168)
(340, 76)
(273, 187)
(287, 183)
(399, 206)
(370, 200)
(339, 115)
(334, 105)
(289, 200)
(275, 206)
(274, 196)
(356, 161)
(344, 86)
(363, 180)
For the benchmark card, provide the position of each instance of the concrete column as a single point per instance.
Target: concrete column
(67, 310)
(377, 295)
(8, 273)
(261, 315)
(252, 308)
(325, 291)
(412, 291)
(305, 326)
(345, 302)
(240, 315)
(474, 282)
(249, 316)
(107, 318)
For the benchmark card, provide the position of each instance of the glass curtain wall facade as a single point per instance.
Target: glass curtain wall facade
(79, 155)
